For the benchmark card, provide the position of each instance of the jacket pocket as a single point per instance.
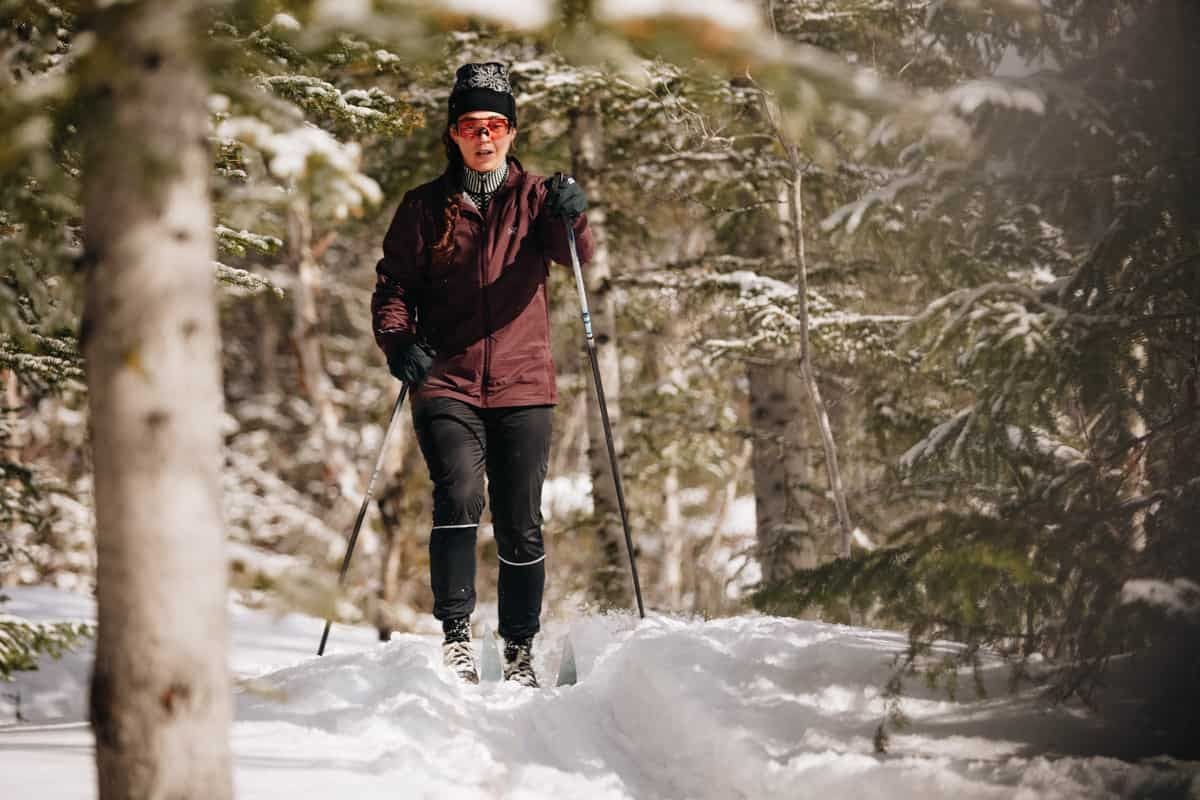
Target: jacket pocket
(528, 369)
(460, 372)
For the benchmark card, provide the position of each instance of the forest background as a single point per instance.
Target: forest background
(953, 243)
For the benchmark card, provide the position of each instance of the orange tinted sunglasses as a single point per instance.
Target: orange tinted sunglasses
(496, 126)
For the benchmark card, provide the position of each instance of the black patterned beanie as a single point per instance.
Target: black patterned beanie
(482, 87)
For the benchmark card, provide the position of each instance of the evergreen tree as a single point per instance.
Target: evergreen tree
(1055, 360)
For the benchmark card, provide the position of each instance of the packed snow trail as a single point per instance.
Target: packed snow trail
(747, 707)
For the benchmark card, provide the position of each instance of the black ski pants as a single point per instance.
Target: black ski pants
(462, 443)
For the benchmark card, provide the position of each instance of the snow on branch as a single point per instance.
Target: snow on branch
(245, 280)
(848, 319)
(964, 306)
(747, 346)
(373, 17)
(766, 305)
(1035, 440)
(738, 15)
(239, 242)
(541, 80)
(745, 282)
(935, 439)
(1025, 440)
(361, 109)
(851, 215)
(262, 508)
(261, 561)
(751, 284)
(311, 156)
(57, 362)
(22, 641)
(970, 96)
(947, 114)
(1179, 596)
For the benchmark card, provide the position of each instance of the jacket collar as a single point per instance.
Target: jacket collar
(484, 182)
(450, 182)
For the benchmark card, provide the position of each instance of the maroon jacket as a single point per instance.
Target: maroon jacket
(475, 288)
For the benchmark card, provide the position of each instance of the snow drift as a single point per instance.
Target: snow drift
(747, 707)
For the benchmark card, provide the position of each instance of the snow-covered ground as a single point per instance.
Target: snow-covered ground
(747, 707)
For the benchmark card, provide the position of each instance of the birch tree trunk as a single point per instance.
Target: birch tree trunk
(339, 469)
(160, 694)
(782, 471)
(676, 572)
(609, 584)
(792, 216)
(781, 462)
(711, 578)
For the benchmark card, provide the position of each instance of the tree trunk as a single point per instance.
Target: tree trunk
(676, 569)
(12, 410)
(401, 536)
(782, 469)
(609, 585)
(791, 214)
(711, 579)
(339, 469)
(676, 541)
(160, 694)
(795, 216)
(574, 430)
(266, 308)
(781, 462)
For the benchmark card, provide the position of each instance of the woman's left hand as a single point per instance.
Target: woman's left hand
(565, 197)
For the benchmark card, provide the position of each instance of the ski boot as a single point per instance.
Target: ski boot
(518, 662)
(456, 649)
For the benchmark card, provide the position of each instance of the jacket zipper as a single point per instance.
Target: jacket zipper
(487, 321)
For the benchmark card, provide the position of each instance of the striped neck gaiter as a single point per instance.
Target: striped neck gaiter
(482, 185)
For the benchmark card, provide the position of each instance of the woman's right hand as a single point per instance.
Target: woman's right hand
(409, 359)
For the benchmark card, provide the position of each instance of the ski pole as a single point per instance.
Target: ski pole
(612, 450)
(362, 511)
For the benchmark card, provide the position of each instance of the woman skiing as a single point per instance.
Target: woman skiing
(460, 311)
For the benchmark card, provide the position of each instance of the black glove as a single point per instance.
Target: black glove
(409, 359)
(565, 197)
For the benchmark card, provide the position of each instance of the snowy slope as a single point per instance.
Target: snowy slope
(749, 707)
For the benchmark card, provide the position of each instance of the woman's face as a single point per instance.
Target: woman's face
(483, 138)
